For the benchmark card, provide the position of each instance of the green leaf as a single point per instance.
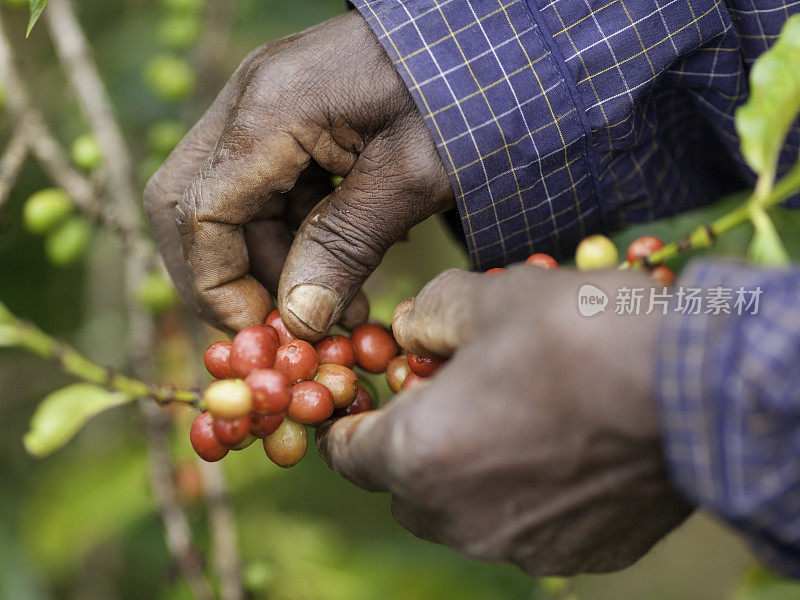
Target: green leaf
(61, 415)
(36, 8)
(8, 336)
(764, 120)
(6, 316)
(766, 248)
(787, 222)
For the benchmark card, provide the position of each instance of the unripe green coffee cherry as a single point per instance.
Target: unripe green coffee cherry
(163, 136)
(596, 252)
(169, 77)
(179, 31)
(85, 152)
(156, 293)
(45, 209)
(67, 242)
(553, 586)
(257, 577)
(184, 6)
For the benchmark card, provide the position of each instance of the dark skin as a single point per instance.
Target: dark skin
(539, 442)
(249, 171)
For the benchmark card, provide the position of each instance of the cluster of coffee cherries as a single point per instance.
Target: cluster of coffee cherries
(599, 252)
(270, 385)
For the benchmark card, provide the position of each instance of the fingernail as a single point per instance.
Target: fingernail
(313, 305)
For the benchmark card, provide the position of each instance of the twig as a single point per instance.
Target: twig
(223, 533)
(27, 336)
(10, 165)
(176, 525)
(705, 235)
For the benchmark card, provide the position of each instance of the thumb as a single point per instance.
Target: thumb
(345, 237)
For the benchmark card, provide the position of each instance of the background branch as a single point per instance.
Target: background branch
(122, 216)
(74, 53)
(10, 165)
(49, 153)
(176, 526)
(223, 533)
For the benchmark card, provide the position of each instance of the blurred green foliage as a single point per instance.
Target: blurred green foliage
(82, 523)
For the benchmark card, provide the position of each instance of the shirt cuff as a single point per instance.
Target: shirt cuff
(728, 379)
(491, 87)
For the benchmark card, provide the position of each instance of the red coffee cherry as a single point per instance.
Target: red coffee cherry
(664, 275)
(311, 402)
(263, 425)
(217, 359)
(189, 482)
(336, 350)
(643, 247)
(362, 403)
(495, 270)
(274, 320)
(423, 366)
(341, 381)
(231, 432)
(287, 445)
(413, 380)
(543, 261)
(297, 360)
(228, 399)
(203, 440)
(396, 372)
(271, 391)
(374, 346)
(254, 348)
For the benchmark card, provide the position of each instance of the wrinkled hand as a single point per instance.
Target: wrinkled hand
(538, 443)
(254, 167)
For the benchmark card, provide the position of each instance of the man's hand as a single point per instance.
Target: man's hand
(538, 443)
(254, 167)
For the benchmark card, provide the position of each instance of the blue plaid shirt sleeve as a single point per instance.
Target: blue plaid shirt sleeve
(729, 391)
(559, 118)
(556, 119)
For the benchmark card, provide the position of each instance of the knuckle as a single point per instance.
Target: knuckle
(353, 244)
(186, 209)
(430, 296)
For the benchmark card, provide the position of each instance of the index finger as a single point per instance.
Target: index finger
(244, 171)
(367, 448)
(167, 185)
(351, 447)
